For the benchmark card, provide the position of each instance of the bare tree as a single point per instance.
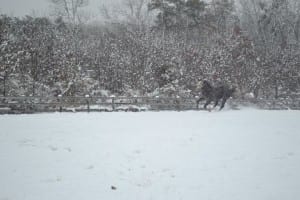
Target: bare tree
(131, 12)
(69, 9)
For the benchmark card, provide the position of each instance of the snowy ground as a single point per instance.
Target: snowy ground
(228, 155)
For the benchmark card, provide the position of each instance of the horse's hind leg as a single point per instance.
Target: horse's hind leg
(223, 103)
(200, 99)
(206, 103)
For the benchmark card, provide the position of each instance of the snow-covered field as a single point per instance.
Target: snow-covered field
(229, 155)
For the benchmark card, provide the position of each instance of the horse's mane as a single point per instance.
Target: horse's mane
(206, 84)
(207, 88)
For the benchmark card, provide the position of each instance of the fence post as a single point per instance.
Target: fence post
(197, 103)
(88, 102)
(113, 102)
(135, 101)
(178, 103)
(157, 102)
(59, 102)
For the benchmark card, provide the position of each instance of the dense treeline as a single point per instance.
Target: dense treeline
(254, 47)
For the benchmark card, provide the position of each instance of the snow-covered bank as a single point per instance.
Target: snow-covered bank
(229, 155)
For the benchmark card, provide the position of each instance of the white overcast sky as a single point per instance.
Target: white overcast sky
(40, 7)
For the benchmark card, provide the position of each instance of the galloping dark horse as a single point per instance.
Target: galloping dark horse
(210, 93)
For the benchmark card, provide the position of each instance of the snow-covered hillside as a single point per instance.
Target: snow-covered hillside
(227, 155)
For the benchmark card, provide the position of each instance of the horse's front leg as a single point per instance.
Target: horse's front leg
(216, 102)
(223, 103)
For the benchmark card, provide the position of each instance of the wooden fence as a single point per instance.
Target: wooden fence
(22, 104)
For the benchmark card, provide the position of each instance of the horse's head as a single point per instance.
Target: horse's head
(205, 83)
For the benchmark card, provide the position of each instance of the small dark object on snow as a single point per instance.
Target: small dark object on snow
(113, 187)
(210, 93)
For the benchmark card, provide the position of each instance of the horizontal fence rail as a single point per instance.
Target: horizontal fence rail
(30, 104)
